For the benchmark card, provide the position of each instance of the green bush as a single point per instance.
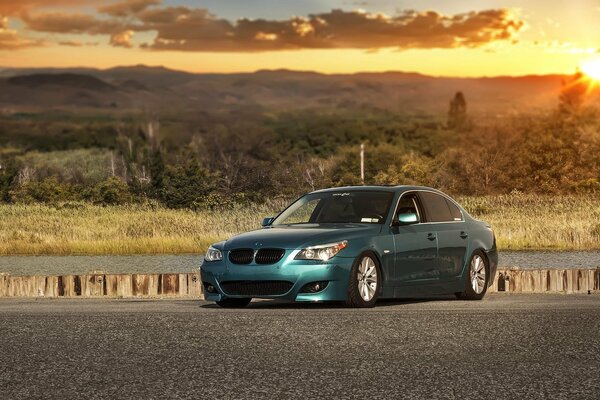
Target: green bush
(48, 190)
(112, 191)
(187, 185)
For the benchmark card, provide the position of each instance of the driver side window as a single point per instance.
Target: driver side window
(408, 209)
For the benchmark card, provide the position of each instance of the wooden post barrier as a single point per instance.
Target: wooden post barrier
(99, 285)
(546, 281)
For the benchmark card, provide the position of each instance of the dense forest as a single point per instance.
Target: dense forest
(198, 159)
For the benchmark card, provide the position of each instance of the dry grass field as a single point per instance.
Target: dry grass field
(530, 222)
(520, 222)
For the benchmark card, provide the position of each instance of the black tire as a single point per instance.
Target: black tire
(234, 302)
(469, 293)
(354, 297)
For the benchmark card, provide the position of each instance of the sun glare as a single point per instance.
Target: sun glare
(592, 69)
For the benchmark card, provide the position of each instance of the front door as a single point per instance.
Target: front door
(415, 244)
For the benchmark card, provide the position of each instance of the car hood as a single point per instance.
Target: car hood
(300, 236)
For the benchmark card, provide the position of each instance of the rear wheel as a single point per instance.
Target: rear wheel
(365, 282)
(234, 303)
(476, 282)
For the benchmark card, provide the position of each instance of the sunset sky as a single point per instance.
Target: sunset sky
(436, 37)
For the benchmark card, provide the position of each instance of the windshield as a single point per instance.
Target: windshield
(338, 207)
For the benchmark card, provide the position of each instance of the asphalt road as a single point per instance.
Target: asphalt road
(507, 346)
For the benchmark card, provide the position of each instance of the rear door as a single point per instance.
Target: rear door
(446, 219)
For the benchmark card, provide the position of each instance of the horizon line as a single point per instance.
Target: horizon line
(556, 74)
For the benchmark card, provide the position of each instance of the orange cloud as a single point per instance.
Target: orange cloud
(122, 39)
(196, 29)
(16, 7)
(11, 40)
(71, 23)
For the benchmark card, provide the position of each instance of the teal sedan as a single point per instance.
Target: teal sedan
(356, 245)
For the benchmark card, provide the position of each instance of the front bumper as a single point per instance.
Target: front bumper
(336, 272)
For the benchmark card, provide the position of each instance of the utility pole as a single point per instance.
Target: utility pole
(362, 163)
(112, 163)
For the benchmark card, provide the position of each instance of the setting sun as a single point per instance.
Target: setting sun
(592, 69)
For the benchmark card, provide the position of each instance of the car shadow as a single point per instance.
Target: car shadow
(284, 304)
(414, 300)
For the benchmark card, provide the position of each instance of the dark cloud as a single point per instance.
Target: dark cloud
(76, 43)
(71, 43)
(195, 29)
(127, 7)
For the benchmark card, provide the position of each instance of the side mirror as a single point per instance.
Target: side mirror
(267, 221)
(407, 219)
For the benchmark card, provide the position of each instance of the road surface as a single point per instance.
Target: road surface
(506, 346)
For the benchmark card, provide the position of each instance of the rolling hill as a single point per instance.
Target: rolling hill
(159, 88)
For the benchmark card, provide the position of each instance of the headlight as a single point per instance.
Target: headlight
(213, 254)
(322, 252)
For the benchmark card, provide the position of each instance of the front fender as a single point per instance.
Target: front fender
(381, 246)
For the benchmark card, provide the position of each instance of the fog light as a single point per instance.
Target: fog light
(210, 288)
(314, 287)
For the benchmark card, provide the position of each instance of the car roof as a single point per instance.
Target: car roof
(376, 188)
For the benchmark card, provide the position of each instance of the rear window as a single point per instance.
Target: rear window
(454, 211)
(436, 207)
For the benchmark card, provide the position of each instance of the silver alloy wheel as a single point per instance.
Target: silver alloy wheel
(477, 272)
(367, 278)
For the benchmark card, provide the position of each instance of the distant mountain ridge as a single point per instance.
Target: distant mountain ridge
(79, 81)
(143, 87)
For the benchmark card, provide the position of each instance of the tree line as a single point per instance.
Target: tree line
(238, 156)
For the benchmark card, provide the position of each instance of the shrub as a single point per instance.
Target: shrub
(48, 190)
(217, 201)
(187, 185)
(586, 186)
(112, 191)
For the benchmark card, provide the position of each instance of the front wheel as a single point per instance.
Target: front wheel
(476, 282)
(365, 282)
(234, 303)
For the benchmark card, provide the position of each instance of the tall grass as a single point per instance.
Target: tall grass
(540, 222)
(520, 222)
(88, 229)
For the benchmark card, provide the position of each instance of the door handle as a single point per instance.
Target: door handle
(431, 236)
(464, 235)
